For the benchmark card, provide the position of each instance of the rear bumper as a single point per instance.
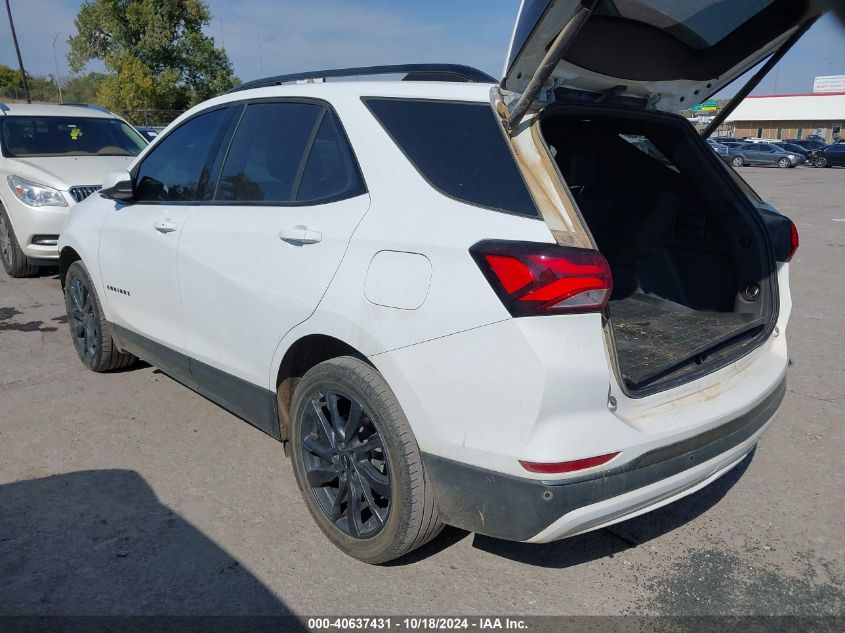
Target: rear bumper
(521, 509)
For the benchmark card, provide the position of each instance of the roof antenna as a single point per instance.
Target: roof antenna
(18, 51)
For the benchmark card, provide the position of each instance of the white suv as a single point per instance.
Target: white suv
(51, 157)
(526, 315)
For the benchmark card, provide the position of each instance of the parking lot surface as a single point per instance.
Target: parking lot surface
(126, 493)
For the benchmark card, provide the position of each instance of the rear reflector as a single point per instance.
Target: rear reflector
(533, 279)
(567, 467)
(793, 235)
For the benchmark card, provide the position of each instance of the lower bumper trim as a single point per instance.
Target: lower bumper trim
(517, 509)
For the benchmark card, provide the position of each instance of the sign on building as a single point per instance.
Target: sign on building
(829, 83)
(707, 106)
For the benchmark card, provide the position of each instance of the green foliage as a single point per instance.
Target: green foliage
(41, 88)
(82, 88)
(155, 53)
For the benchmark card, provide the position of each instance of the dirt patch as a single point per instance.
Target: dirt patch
(713, 581)
(29, 326)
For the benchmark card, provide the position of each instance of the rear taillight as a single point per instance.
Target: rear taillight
(793, 236)
(534, 279)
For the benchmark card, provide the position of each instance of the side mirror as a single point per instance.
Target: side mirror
(117, 185)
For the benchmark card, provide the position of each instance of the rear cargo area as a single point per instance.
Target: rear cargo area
(692, 281)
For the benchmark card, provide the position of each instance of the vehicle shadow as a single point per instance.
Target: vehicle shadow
(621, 536)
(99, 543)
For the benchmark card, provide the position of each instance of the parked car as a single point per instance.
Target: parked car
(442, 333)
(807, 144)
(830, 156)
(52, 157)
(720, 148)
(792, 148)
(764, 154)
(149, 133)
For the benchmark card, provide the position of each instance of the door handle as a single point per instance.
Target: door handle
(300, 235)
(165, 226)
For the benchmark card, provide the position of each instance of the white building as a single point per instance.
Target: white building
(790, 116)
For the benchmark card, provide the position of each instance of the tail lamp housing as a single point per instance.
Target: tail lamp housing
(533, 279)
(793, 241)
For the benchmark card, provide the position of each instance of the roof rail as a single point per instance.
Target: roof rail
(93, 106)
(412, 72)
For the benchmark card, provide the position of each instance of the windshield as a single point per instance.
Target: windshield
(68, 136)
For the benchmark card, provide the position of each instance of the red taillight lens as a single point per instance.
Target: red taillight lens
(533, 279)
(793, 235)
(567, 467)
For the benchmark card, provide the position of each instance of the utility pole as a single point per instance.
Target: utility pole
(18, 51)
(56, 60)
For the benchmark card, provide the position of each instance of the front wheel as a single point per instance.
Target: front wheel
(737, 161)
(89, 329)
(357, 463)
(784, 163)
(821, 161)
(15, 262)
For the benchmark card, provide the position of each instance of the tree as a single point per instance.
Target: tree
(155, 52)
(82, 88)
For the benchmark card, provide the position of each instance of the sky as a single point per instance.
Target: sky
(269, 37)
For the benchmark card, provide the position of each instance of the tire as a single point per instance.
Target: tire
(329, 462)
(737, 161)
(821, 161)
(15, 262)
(784, 163)
(89, 329)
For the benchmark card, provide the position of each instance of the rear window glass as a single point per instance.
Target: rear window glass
(698, 23)
(459, 149)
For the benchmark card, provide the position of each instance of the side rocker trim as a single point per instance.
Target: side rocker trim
(251, 403)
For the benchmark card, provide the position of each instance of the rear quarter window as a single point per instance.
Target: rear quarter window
(459, 149)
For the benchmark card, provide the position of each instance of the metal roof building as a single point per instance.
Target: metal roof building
(790, 116)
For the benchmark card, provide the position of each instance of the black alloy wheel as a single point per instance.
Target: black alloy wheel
(5, 242)
(91, 333)
(345, 464)
(83, 320)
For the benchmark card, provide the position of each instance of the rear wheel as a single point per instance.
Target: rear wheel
(737, 161)
(89, 329)
(15, 262)
(784, 163)
(357, 463)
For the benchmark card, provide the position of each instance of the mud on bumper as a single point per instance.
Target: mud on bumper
(518, 509)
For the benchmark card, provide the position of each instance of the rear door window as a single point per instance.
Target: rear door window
(288, 152)
(265, 155)
(459, 148)
(330, 172)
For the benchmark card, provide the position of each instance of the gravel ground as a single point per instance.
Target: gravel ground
(128, 494)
